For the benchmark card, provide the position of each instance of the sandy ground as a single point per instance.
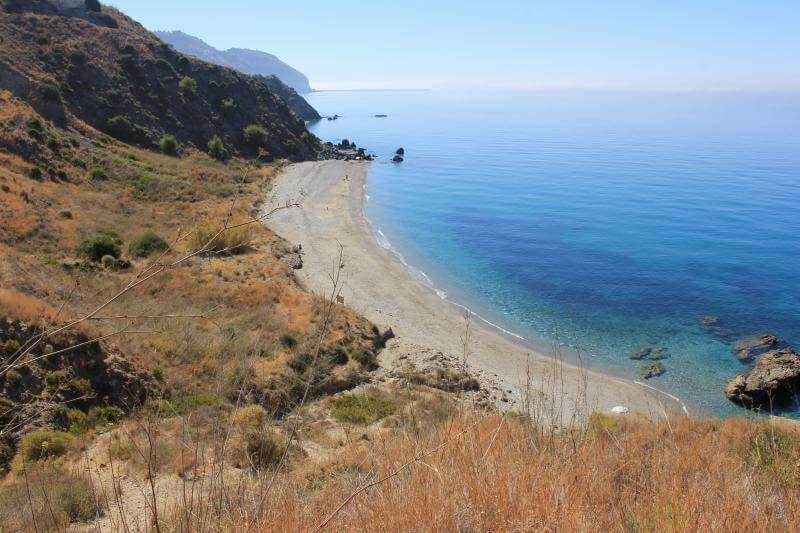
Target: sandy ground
(377, 285)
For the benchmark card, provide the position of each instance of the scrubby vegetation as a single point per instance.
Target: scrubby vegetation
(169, 145)
(216, 148)
(100, 244)
(146, 244)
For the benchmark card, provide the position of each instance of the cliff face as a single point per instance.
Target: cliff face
(105, 70)
(248, 61)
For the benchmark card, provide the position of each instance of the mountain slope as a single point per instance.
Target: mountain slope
(248, 61)
(280, 77)
(105, 70)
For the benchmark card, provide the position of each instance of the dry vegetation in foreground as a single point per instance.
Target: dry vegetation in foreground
(430, 462)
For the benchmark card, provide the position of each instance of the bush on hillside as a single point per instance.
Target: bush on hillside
(216, 149)
(227, 106)
(98, 174)
(42, 444)
(188, 87)
(256, 136)
(93, 5)
(99, 244)
(50, 92)
(146, 244)
(121, 127)
(361, 408)
(169, 145)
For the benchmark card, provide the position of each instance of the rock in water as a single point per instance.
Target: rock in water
(400, 151)
(747, 348)
(652, 370)
(774, 381)
(397, 159)
(641, 354)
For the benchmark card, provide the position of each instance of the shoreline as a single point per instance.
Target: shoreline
(378, 284)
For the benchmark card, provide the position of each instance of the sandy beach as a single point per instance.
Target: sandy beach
(376, 284)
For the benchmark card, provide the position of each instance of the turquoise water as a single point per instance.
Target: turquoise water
(603, 222)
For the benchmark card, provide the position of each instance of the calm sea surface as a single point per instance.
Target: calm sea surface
(602, 222)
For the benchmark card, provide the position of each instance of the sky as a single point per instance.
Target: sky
(517, 44)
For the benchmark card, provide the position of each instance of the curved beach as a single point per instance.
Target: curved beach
(376, 284)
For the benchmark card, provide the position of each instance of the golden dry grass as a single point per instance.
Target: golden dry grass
(503, 475)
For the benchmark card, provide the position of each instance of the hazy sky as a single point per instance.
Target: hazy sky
(673, 44)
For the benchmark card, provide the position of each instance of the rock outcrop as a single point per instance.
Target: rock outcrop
(773, 382)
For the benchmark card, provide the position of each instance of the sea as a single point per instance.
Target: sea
(594, 223)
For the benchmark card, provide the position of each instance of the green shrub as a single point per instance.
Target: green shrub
(169, 144)
(43, 444)
(35, 173)
(188, 87)
(50, 92)
(256, 136)
(122, 128)
(109, 262)
(96, 245)
(146, 244)
(216, 149)
(361, 408)
(108, 414)
(227, 106)
(99, 174)
(93, 5)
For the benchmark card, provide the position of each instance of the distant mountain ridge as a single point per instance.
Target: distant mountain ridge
(252, 62)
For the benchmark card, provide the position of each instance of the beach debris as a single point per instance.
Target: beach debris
(397, 159)
(774, 381)
(620, 410)
(652, 370)
(749, 347)
(401, 151)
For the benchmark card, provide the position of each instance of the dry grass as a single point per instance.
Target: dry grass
(501, 474)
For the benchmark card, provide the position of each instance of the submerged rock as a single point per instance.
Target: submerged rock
(651, 370)
(747, 348)
(651, 354)
(397, 159)
(709, 320)
(774, 381)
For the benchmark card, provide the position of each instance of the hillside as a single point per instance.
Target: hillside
(248, 61)
(285, 81)
(105, 70)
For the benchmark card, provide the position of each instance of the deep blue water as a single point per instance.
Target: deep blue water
(602, 221)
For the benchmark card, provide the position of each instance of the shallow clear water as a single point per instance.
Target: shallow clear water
(606, 222)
